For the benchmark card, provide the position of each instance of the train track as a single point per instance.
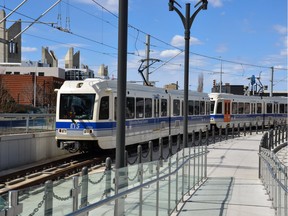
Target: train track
(54, 170)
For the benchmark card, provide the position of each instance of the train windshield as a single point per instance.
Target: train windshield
(76, 106)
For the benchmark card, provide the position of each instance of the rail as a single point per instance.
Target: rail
(272, 171)
(11, 123)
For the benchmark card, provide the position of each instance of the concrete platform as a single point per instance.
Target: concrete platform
(233, 187)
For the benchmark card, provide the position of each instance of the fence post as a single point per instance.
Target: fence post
(161, 151)
(14, 207)
(140, 177)
(233, 128)
(84, 185)
(256, 127)
(48, 206)
(220, 133)
(108, 168)
(244, 129)
(238, 129)
(178, 142)
(226, 132)
(150, 156)
(74, 192)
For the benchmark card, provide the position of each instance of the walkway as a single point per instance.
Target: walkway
(233, 187)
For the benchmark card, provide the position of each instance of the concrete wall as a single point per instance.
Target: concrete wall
(22, 149)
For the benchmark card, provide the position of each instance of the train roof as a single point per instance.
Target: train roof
(98, 84)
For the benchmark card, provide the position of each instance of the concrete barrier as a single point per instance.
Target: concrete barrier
(22, 149)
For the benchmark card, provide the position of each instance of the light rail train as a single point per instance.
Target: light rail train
(86, 113)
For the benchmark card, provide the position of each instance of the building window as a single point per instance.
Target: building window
(16, 73)
(8, 72)
(41, 74)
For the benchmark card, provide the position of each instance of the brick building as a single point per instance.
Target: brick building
(30, 90)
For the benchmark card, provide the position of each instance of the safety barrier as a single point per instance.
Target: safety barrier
(272, 171)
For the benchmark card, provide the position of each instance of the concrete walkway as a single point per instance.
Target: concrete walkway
(233, 187)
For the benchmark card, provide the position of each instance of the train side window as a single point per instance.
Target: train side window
(286, 108)
(219, 108)
(212, 105)
(130, 107)
(202, 107)
(176, 107)
(240, 108)
(281, 108)
(269, 108)
(139, 107)
(148, 107)
(197, 107)
(259, 108)
(164, 107)
(190, 107)
(207, 108)
(234, 108)
(247, 108)
(104, 108)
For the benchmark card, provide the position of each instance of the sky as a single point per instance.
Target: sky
(232, 38)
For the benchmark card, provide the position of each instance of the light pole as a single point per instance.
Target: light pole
(187, 23)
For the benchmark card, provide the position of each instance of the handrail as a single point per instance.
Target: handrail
(128, 191)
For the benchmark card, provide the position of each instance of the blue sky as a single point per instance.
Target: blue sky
(247, 36)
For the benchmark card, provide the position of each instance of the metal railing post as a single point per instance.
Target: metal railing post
(213, 134)
(75, 192)
(84, 185)
(194, 159)
(108, 183)
(150, 156)
(14, 208)
(140, 177)
(233, 128)
(48, 205)
(161, 151)
(220, 133)
(170, 145)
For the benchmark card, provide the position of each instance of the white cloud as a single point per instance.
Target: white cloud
(221, 48)
(169, 53)
(179, 41)
(281, 29)
(29, 49)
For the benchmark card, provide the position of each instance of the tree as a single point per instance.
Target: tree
(7, 103)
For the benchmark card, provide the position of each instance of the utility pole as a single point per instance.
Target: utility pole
(187, 23)
(147, 57)
(272, 80)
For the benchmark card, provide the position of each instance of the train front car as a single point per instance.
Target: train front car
(76, 128)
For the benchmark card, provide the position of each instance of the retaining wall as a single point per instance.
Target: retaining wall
(22, 149)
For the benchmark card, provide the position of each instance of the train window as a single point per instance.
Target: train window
(285, 108)
(207, 108)
(259, 108)
(234, 108)
(219, 108)
(176, 107)
(269, 108)
(164, 106)
(104, 108)
(196, 107)
(148, 107)
(139, 107)
(202, 107)
(76, 106)
(190, 108)
(212, 105)
(252, 108)
(240, 108)
(247, 108)
(282, 108)
(130, 107)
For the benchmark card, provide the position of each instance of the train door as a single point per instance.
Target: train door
(227, 111)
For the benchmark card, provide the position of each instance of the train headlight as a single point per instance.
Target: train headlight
(87, 131)
(62, 131)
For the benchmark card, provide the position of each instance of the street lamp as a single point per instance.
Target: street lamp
(187, 23)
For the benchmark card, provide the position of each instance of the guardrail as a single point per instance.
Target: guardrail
(155, 187)
(26, 123)
(272, 171)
